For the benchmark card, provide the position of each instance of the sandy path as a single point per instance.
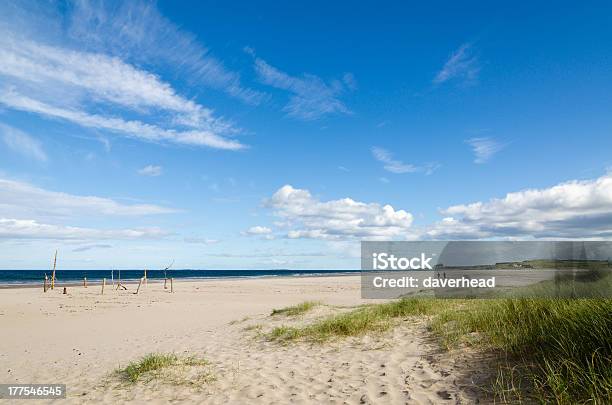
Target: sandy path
(81, 338)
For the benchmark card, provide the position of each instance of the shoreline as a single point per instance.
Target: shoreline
(130, 281)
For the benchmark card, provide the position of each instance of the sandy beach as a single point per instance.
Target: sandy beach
(81, 338)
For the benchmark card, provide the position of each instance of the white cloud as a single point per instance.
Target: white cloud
(258, 230)
(575, 209)
(22, 143)
(484, 148)
(307, 217)
(85, 248)
(31, 229)
(311, 97)
(137, 31)
(57, 76)
(398, 167)
(203, 241)
(151, 170)
(462, 65)
(133, 128)
(18, 199)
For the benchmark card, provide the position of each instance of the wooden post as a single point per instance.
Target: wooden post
(139, 284)
(53, 274)
(165, 283)
(65, 291)
(145, 277)
(171, 285)
(85, 282)
(103, 284)
(45, 284)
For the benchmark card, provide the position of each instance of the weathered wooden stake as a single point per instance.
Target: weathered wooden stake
(65, 291)
(85, 282)
(139, 284)
(45, 284)
(103, 285)
(53, 275)
(171, 284)
(165, 283)
(145, 278)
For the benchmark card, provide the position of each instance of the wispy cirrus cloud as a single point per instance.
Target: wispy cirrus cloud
(462, 66)
(396, 166)
(22, 143)
(31, 229)
(151, 170)
(86, 248)
(19, 199)
(131, 128)
(484, 148)
(94, 87)
(136, 30)
(310, 96)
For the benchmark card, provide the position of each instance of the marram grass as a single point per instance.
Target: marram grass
(560, 348)
(298, 309)
(154, 362)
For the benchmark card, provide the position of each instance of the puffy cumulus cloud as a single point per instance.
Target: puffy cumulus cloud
(574, 209)
(32, 229)
(343, 219)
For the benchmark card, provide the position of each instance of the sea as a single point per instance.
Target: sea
(10, 278)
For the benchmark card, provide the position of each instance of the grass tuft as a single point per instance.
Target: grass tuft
(155, 362)
(151, 362)
(298, 309)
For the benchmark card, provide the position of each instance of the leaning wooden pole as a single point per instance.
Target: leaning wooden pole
(139, 284)
(53, 274)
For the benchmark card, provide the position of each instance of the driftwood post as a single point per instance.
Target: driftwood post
(165, 283)
(85, 282)
(53, 274)
(103, 284)
(139, 284)
(45, 283)
(171, 284)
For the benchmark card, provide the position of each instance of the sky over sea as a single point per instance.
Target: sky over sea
(259, 135)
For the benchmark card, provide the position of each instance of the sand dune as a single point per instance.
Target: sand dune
(81, 338)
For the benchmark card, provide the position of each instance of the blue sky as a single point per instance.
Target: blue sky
(262, 135)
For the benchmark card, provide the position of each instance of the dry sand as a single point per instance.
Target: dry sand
(79, 339)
